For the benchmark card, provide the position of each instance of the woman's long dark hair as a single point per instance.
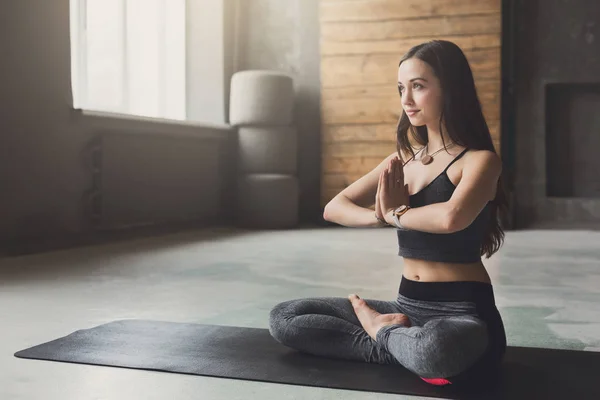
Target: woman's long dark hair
(461, 116)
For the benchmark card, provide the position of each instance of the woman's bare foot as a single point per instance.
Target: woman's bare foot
(371, 320)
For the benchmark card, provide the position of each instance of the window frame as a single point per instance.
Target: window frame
(79, 64)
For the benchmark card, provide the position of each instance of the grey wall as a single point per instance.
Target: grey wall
(42, 140)
(149, 173)
(284, 36)
(557, 75)
(42, 178)
(41, 183)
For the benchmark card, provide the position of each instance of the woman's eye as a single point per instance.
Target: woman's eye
(417, 86)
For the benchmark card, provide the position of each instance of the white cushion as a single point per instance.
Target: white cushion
(267, 150)
(261, 98)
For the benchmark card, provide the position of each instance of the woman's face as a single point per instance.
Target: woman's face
(420, 92)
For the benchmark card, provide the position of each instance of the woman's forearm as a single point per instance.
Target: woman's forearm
(344, 212)
(432, 218)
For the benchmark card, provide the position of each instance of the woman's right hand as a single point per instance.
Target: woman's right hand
(394, 191)
(379, 209)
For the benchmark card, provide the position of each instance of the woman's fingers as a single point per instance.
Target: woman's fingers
(391, 166)
(384, 191)
(380, 184)
(378, 194)
(393, 176)
(399, 174)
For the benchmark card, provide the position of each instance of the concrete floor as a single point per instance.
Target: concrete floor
(547, 286)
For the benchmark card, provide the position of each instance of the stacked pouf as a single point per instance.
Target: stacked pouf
(261, 107)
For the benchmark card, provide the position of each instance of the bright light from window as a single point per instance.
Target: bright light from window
(129, 56)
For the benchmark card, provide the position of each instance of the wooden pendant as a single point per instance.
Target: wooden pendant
(427, 159)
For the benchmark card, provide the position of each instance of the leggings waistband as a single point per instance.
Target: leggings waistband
(478, 292)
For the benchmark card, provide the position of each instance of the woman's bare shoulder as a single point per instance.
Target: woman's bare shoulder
(482, 162)
(485, 157)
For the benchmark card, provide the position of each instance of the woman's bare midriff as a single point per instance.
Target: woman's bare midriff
(428, 271)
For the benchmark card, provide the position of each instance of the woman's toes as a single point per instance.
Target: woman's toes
(356, 301)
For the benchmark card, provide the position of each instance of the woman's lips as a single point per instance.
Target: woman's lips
(410, 113)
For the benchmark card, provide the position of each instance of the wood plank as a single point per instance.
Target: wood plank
(441, 27)
(378, 111)
(376, 10)
(357, 133)
(366, 133)
(498, 147)
(381, 69)
(489, 90)
(351, 165)
(486, 90)
(340, 179)
(485, 93)
(495, 130)
(368, 149)
(361, 111)
(399, 46)
(491, 111)
(370, 91)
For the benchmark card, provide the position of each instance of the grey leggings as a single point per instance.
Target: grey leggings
(445, 339)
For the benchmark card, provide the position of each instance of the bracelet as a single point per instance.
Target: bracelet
(397, 221)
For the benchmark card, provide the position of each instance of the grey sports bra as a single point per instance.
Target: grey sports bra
(458, 247)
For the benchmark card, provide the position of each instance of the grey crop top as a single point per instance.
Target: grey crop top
(458, 247)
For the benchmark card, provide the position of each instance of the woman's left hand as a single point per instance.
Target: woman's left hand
(393, 192)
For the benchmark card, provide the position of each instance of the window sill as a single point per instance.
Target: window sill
(133, 124)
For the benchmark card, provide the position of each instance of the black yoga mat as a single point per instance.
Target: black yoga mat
(252, 354)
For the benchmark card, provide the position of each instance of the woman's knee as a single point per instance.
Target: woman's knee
(441, 348)
(279, 318)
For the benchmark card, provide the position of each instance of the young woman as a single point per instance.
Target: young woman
(443, 193)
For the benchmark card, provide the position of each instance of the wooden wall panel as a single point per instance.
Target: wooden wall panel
(361, 44)
(462, 25)
(381, 69)
(391, 46)
(377, 10)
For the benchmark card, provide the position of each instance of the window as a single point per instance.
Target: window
(129, 56)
